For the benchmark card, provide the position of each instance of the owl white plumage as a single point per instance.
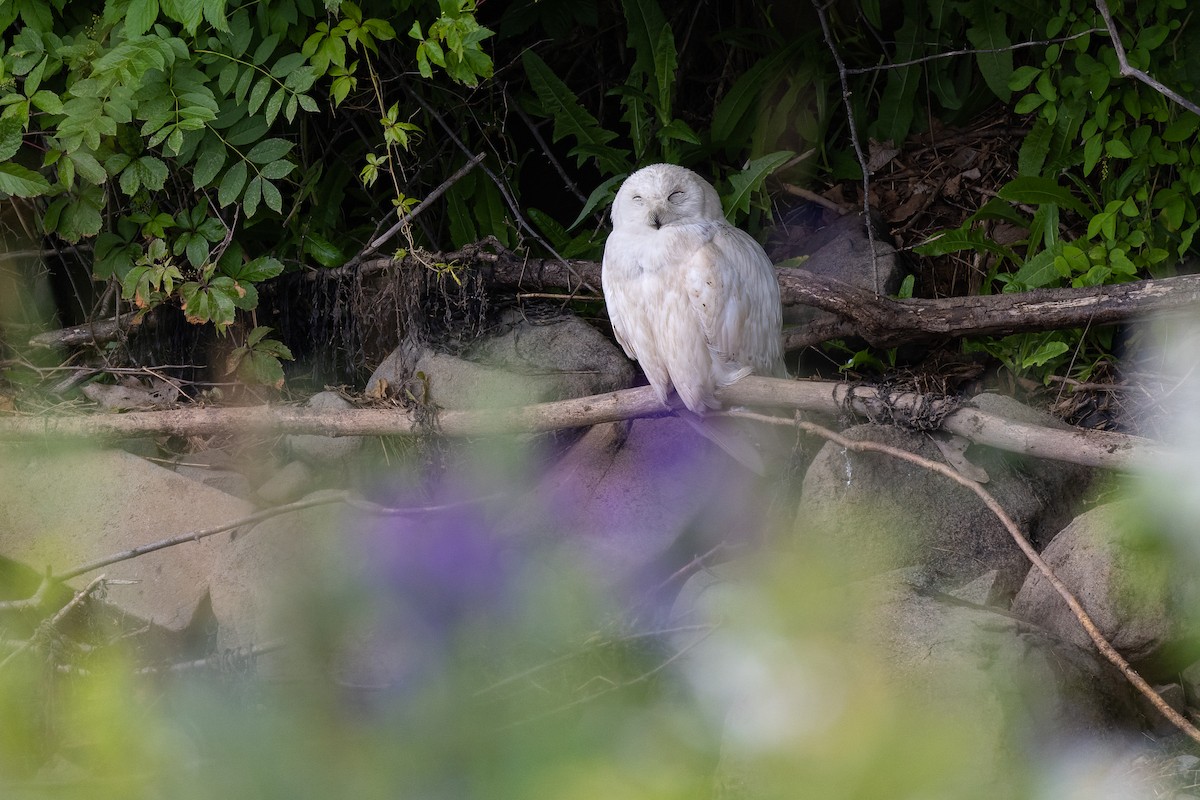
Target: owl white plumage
(692, 298)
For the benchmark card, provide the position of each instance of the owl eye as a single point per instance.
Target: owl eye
(676, 196)
(637, 198)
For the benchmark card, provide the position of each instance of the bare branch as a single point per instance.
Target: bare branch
(858, 150)
(954, 53)
(430, 198)
(1134, 72)
(1091, 448)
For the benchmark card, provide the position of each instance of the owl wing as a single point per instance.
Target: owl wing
(734, 293)
(635, 308)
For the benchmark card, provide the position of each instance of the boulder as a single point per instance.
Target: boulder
(326, 451)
(64, 508)
(526, 362)
(885, 513)
(1125, 586)
(837, 246)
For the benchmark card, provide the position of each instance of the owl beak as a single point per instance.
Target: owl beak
(655, 221)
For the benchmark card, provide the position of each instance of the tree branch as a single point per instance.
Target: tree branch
(1087, 447)
(1133, 72)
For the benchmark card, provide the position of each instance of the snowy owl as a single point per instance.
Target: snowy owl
(692, 298)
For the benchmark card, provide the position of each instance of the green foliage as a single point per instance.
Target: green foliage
(653, 129)
(1108, 174)
(919, 83)
(171, 128)
(257, 361)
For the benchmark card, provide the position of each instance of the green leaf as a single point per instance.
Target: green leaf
(287, 65)
(1045, 353)
(323, 251)
(664, 69)
(77, 215)
(214, 12)
(745, 183)
(987, 33)
(11, 131)
(253, 196)
(260, 368)
(1039, 271)
(1035, 148)
(738, 103)
(88, 167)
(231, 185)
(601, 196)
(679, 130)
(644, 20)
(209, 161)
(269, 150)
(1182, 129)
(1023, 77)
(140, 16)
(957, 240)
(277, 169)
(265, 49)
(570, 118)
(255, 271)
(897, 104)
(47, 101)
(1092, 149)
(186, 12)
(18, 181)
(272, 197)
(258, 94)
(1034, 190)
(1117, 149)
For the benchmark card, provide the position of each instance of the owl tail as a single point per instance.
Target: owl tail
(728, 438)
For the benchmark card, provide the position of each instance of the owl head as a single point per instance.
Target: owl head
(664, 194)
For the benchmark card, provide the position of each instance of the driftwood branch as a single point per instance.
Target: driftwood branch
(1087, 447)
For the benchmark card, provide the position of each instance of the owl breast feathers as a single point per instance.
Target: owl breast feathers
(692, 298)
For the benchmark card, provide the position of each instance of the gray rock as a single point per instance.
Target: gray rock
(840, 249)
(1124, 586)
(215, 468)
(885, 513)
(527, 362)
(326, 450)
(63, 509)
(288, 484)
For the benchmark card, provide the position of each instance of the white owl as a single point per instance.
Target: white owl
(692, 298)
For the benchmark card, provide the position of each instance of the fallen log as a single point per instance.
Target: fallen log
(1087, 447)
(880, 321)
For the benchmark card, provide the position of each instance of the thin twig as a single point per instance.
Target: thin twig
(858, 151)
(953, 53)
(518, 217)
(430, 198)
(1093, 632)
(213, 660)
(329, 498)
(546, 151)
(1134, 72)
(57, 618)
